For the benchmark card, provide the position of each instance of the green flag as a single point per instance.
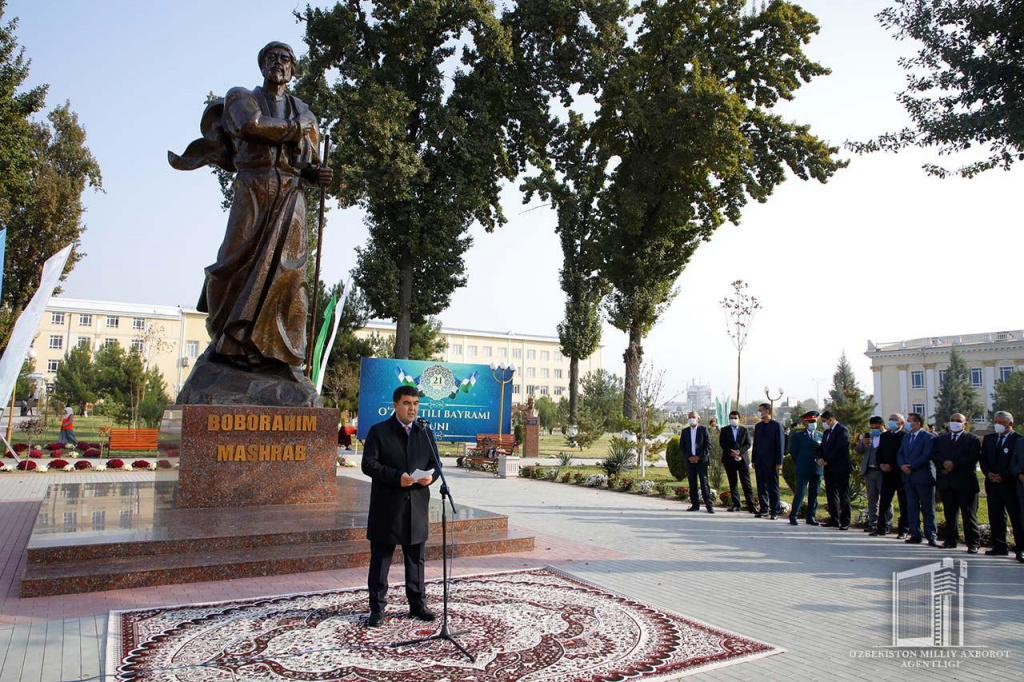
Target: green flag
(321, 338)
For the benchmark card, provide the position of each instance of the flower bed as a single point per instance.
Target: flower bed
(35, 454)
(141, 464)
(682, 492)
(59, 464)
(53, 446)
(91, 452)
(20, 447)
(164, 464)
(56, 453)
(27, 465)
(82, 465)
(116, 464)
(726, 497)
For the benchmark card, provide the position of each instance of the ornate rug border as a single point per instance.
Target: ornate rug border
(115, 620)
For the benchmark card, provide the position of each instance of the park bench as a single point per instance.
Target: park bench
(133, 439)
(488, 447)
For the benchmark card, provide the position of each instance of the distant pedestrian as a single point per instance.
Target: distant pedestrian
(67, 428)
(23, 405)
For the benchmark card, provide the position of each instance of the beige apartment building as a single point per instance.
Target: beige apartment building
(908, 374)
(542, 370)
(170, 338)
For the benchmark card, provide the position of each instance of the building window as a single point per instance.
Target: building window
(471, 351)
(138, 345)
(942, 377)
(919, 408)
(976, 378)
(516, 388)
(545, 355)
(125, 520)
(56, 318)
(531, 355)
(109, 342)
(543, 390)
(192, 349)
(83, 342)
(457, 349)
(917, 379)
(558, 356)
(558, 390)
(487, 351)
(558, 375)
(544, 373)
(56, 342)
(52, 366)
(502, 352)
(99, 520)
(138, 323)
(531, 372)
(1004, 373)
(517, 353)
(530, 389)
(85, 320)
(113, 321)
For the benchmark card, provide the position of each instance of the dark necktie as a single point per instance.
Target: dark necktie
(955, 436)
(1002, 439)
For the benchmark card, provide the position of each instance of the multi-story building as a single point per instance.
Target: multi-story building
(170, 338)
(542, 369)
(908, 374)
(698, 397)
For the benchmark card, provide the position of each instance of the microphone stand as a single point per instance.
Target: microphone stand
(443, 634)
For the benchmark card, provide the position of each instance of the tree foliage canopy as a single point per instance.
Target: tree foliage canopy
(956, 393)
(965, 85)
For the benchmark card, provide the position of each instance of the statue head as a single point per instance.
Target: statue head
(277, 62)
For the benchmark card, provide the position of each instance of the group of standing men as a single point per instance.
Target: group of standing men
(900, 459)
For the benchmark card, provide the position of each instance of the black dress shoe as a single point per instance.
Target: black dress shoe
(997, 552)
(972, 550)
(792, 521)
(948, 545)
(693, 509)
(422, 612)
(932, 543)
(830, 524)
(813, 522)
(758, 515)
(773, 517)
(731, 509)
(844, 528)
(711, 510)
(875, 534)
(868, 529)
(376, 619)
(901, 536)
(914, 541)
(1020, 557)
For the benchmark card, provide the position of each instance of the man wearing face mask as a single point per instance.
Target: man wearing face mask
(805, 449)
(997, 450)
(915, 461)
(835, 458)
(696, 446)
(735, 443)
(892, 478)
(867, 448)
(769, 448)
(956, 455)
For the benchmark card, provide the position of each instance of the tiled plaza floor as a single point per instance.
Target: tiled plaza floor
(823, 595)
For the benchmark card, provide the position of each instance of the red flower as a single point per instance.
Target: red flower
(140, 464)
(92, 452)
(56, 453)
(115, 464)
(35, 454)
(82, 465)
(58, 464)
(20, 447)
(26, 465)
(53, 446)
(164, 464)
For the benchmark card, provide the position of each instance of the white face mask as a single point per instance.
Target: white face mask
(734, 422)
(956, 427)
(760, 415)
(693, 421)
(827, 426)
(1000, 429)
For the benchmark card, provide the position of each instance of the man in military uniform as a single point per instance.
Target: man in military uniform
(805, 449)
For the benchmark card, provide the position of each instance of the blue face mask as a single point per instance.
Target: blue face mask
(893, 425)
(907, 427)
(812, 426)
(876, 432)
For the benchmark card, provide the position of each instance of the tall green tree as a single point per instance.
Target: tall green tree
(956, 393)
(75, 381)
(602, 398)
(965, 85)
(422, 147)
(426, 342)
(45, 166)
(1009, 396)
(848, 402)
(687, 111)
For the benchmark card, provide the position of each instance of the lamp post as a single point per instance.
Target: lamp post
(771, 400)
(503, 374)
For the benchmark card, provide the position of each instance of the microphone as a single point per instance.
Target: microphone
(422, 422)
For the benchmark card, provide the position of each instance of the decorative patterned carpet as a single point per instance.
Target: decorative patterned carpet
(535, 625)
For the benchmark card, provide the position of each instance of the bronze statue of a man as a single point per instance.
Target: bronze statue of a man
(256, 293)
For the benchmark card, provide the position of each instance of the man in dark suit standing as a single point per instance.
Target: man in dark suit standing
(805, 449)
(769, 448)
(399, 504)
(1001, 485)
(696, 446)
(835, 458)
(915, 461)
(892, 478)
(735, 442)
(956, 455)
(1017, 469)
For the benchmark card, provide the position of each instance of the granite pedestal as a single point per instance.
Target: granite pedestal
(105, 536)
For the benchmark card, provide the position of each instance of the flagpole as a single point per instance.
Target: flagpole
(316, 276)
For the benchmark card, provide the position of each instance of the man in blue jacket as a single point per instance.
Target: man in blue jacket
(769, 447)
(805, 449)
(695, 443)
(915, 461)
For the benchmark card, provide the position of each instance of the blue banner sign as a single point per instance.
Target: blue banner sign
(460, 401)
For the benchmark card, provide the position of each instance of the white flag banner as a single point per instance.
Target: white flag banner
(26, 325)
(330, 343)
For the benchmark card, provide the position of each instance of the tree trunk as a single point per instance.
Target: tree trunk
(737, 407)
(403, 325)
(633, 357)
(574, 388)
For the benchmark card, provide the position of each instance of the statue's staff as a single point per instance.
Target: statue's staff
(310, 342)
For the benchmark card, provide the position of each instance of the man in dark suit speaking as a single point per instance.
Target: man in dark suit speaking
(399, 504)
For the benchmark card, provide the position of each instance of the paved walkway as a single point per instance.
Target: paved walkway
(823, 595)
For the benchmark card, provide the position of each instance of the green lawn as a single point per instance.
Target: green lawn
(86, 429)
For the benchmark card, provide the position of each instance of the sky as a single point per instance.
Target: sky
(882, 252)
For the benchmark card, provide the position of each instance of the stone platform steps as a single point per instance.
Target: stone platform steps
(116, 571)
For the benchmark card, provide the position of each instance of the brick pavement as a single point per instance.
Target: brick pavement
(823, 595)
